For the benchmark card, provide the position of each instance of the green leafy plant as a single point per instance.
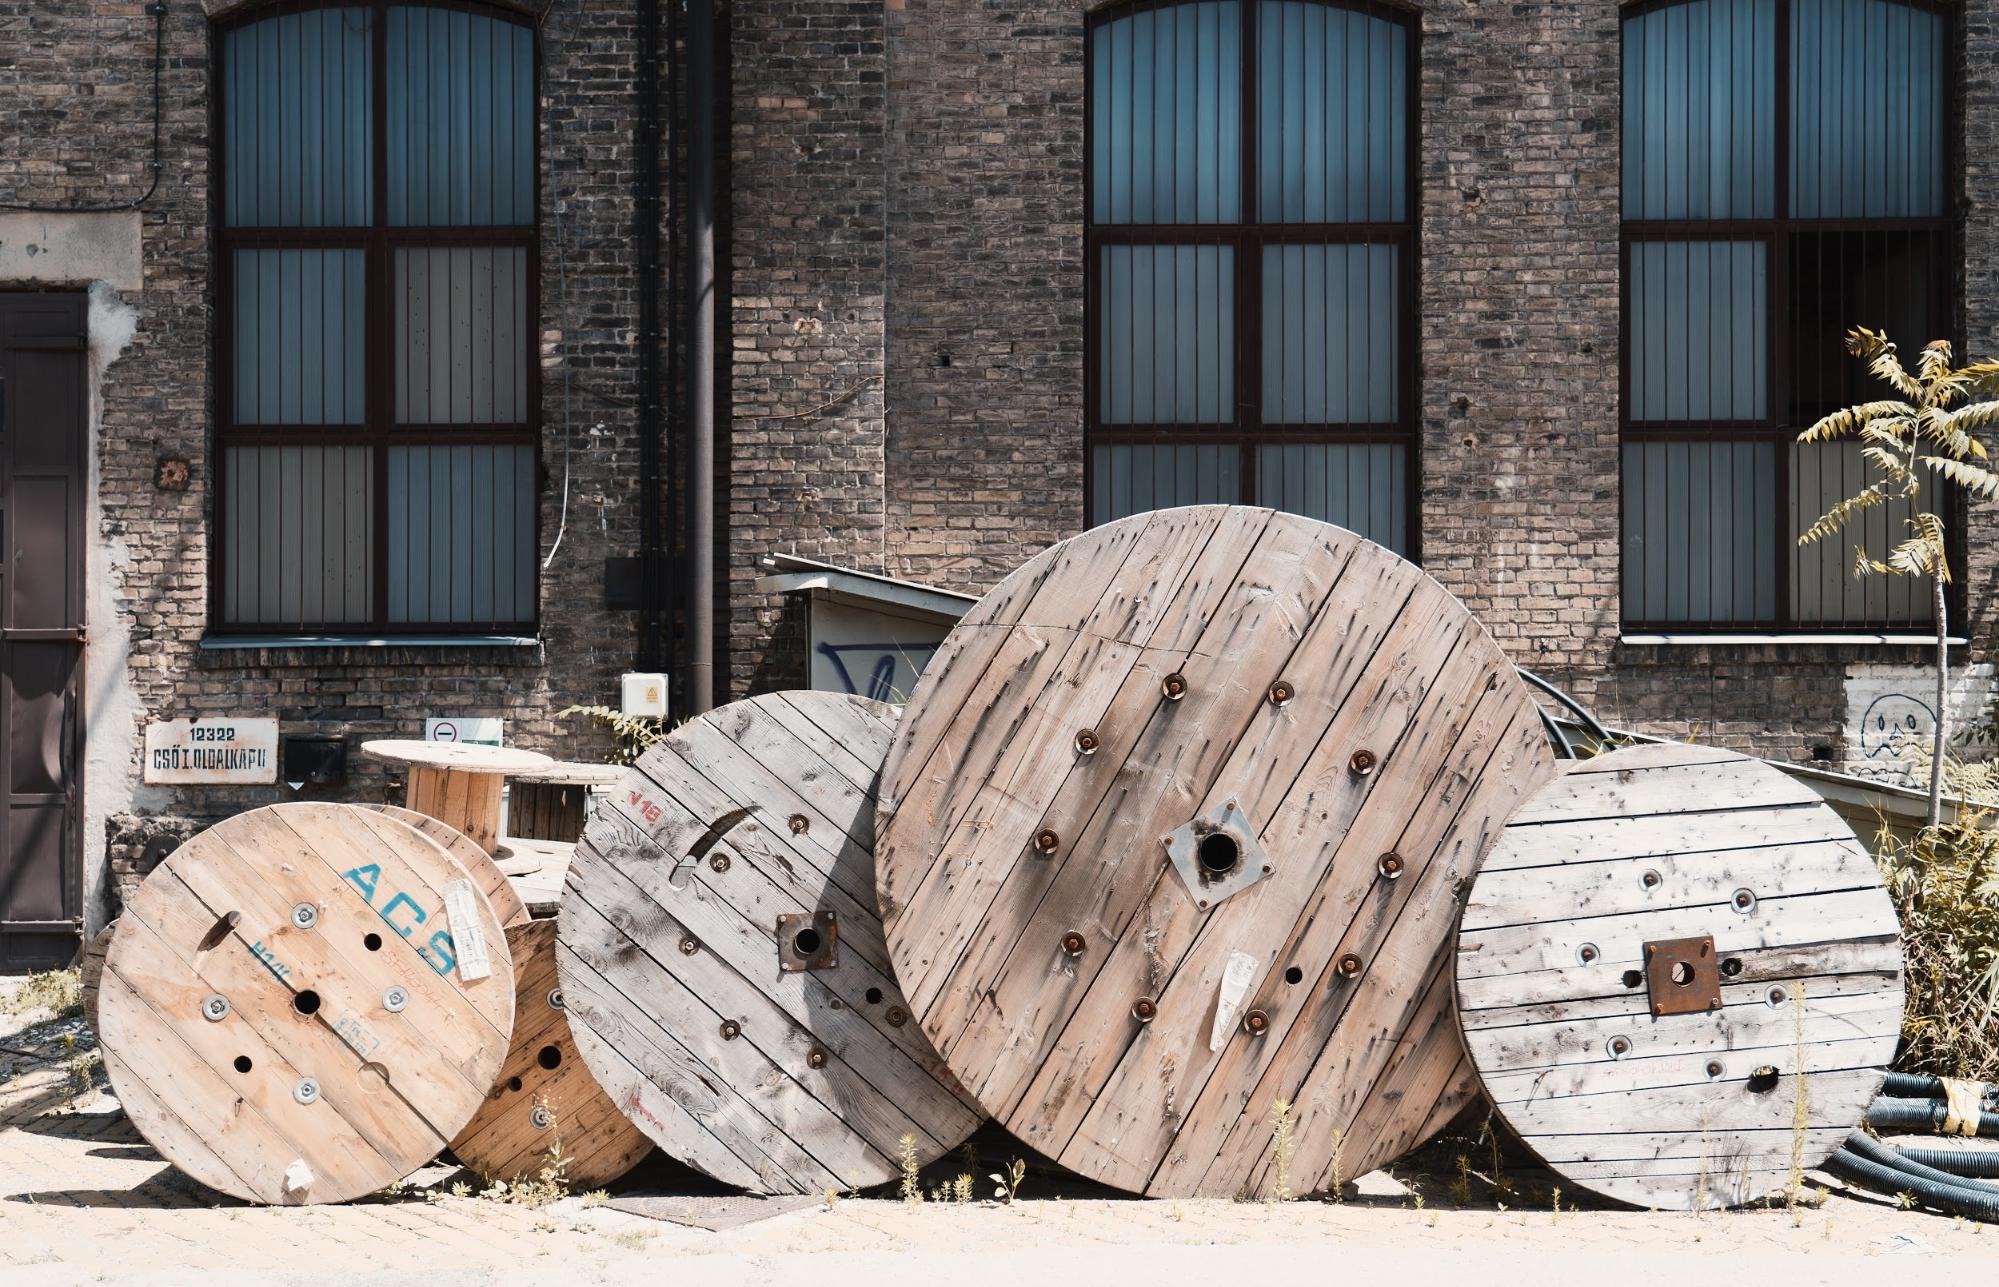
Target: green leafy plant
(1006, 1186)
(1945, 883)
(636, 734)
(1283, 1146)
(1927, 431)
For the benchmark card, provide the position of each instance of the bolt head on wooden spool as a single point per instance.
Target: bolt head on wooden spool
(777, 1057)
(244, 1036)
(1648, 1050)
(1046, 842)
(1390, 866)
(1145, 630)
(1145, 1010)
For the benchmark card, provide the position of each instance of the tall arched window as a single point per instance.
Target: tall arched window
(377, 401)
(1251, 251)
(1785, 178)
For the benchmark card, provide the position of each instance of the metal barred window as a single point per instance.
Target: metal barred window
(376, 268)
(1785, 178)
(1251, 250)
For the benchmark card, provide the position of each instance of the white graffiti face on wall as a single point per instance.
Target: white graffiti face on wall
(1890, 722)
(1890, 711)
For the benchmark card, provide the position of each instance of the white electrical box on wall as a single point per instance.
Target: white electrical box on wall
(643, 695)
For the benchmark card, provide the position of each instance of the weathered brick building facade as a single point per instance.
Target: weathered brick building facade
(902, 363)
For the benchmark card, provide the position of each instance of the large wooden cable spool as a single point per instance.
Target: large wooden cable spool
(722, 959)
(286, 1010)
(545, 1104)
(1663, 940)
(1187, 743)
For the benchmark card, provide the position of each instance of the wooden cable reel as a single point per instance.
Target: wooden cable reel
(545, 1098)
(1663, 939)
(286, 1010)
(722, 960)
(1173, 829)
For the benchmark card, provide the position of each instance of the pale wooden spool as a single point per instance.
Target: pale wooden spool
(1657, 843)
(551, 803)
(344, 1058)
(460, 783)
(671, 950)
(545, 1099)
(90, 972)
(1120, 685)
(483, 867)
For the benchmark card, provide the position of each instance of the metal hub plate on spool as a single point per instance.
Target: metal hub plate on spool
(1347, 705)
(1632, 1066)
(545, 1093)
(773, 1079)
(306, 1089)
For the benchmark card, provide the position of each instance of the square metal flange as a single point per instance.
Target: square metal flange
(808, 941)
(1682, 975)
(1217, 854)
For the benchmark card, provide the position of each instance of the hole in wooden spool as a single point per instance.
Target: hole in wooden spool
(243, 1063)
(1743, 900)
(549, 1057)
(306, 1002)
(1650, 879)
(1294, 975)
(1587, 954)
(800, 824)
(1763, 1080)
(513, 1083)
(1046, 842)
(1086, 742)
(1682, 973)
(1219, 853)
(1731, 966)
(1173, 687)
(1282, 692)
(1619, 1047)
(373, 942)
(874, 996)
(1361, 763)
(219, 931)
(1073, 943)
(1714, 1069)
(1632, 978)
(1776, 996)
(805, 942)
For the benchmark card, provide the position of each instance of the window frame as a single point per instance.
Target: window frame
(379, 241)
(1779, 234)
(1248, 432)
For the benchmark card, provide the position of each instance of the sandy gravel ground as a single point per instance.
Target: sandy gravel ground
(84, 1200)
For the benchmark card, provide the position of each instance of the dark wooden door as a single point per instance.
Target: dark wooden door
(43, 467)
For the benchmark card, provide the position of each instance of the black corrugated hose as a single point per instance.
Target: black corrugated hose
(1942, 1179)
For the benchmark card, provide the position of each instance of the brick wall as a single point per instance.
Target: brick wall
(803, 461)
(75, 119)
(1519, 290)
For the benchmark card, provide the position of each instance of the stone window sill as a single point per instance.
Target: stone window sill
(1779, 640)
(368, 650)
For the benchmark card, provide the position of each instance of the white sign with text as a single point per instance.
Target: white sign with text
(214, 750)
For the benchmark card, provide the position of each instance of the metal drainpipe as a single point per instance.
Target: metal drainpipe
(646, 246)
(701, 302)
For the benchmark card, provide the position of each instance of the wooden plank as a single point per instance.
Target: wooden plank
(1670, 1110)
(1376, 657)
(281, 990)
(545, 1103)
(90, 971)
(671, 952)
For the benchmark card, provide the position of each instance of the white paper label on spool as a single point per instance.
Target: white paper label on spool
(461, 914)
(298, 1176)
(1235, 986)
